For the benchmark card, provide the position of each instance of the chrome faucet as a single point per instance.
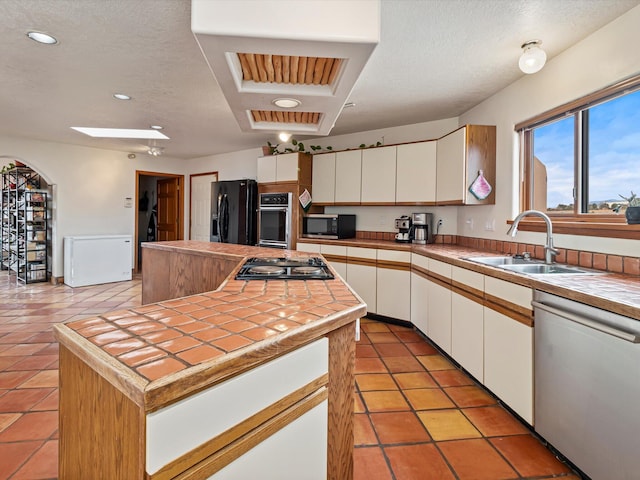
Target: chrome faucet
(549, 251)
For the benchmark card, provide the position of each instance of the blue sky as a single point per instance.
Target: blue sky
(614, 144)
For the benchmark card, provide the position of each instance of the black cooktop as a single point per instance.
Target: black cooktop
(281, 268)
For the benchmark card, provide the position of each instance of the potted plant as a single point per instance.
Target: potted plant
(269, 149)
(633, 209)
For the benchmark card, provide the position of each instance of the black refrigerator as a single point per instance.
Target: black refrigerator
(234, 206)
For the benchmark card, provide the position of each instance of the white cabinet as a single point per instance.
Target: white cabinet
(336, 255)
(439, 305)
(308, 247)
(267, 169)
(467, 321)
(348, 176)
(416, 172)
(278, 168)
(287, 167)
(361, 274)
(508, 361)
(419, 288)
(460, 156)
(324, 178)
(394, 284)
(378, 175)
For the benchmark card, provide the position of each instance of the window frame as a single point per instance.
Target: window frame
(598, 224)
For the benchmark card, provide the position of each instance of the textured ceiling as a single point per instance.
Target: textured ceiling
(436, 59)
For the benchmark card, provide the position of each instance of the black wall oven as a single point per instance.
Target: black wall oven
(274, 220)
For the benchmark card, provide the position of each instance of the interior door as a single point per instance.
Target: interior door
(200, 214)
(168, 209)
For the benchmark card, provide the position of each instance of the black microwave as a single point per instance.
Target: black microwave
(332, 226)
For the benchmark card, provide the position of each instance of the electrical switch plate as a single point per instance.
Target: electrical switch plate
(490, 225)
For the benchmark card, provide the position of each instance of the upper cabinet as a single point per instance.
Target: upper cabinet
(378, 176)
(433, 172)
(415, 173)
(460, 158)
(324, 178)
(348, 177)
(288, 167)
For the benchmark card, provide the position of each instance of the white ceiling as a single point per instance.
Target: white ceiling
(436, 59)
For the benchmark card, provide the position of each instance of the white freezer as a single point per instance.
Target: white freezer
(94, 259)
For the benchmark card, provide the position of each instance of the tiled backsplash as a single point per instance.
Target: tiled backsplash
(599, 261)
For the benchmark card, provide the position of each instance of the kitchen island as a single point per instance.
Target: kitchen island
(245, 379)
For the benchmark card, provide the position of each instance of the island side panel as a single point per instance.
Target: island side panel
(342, 352)
(168, 274)
(101, 430)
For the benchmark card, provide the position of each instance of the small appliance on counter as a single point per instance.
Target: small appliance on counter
(280, 268)
(403, 225)
(332, 226)
(421, 230)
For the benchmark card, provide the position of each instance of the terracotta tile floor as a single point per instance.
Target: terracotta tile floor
(417, 417)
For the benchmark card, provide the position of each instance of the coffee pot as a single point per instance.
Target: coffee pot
(421, 232)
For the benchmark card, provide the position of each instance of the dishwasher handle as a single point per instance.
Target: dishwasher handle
(587, 322)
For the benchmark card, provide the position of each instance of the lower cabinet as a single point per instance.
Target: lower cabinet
(508, 361)
(362, 274)
(336, 255)
(467, 334)
(439, 304)
(419, 302)
(394, 284)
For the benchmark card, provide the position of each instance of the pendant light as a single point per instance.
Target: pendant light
(533, 57)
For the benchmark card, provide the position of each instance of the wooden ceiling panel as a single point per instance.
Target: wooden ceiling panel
(279, 116)
(262, 68)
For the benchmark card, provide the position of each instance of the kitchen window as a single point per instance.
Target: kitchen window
(578, 158)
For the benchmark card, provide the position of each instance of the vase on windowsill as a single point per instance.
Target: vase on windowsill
(632, 213)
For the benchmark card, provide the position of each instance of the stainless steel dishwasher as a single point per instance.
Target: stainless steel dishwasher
(587, 386)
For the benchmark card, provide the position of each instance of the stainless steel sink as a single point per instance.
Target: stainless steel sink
(545, 269)
(499, 261)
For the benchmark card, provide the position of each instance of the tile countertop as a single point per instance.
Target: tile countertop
(613, 292)
(160, 352)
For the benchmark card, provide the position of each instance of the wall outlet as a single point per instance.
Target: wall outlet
(469, 223)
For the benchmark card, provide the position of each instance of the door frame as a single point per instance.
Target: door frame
(181, 213)
(191, 190)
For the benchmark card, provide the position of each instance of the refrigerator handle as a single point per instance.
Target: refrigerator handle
(224, 218)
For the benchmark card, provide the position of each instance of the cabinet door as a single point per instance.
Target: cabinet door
(336, 255)
(267, 169)
(467, 334)
(287, 167)
(450, 168)
(508, 361)
(324, 178)
(416, 172)
(379, 175)
(394, 284)
(361, 274)
(308, 247)
(348, 176)
(439, 314)
(419, 301)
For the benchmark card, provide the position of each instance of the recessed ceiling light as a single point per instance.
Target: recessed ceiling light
(286, 102)
(42, 38)
(156, 127)
(284, 136)
(121, 96)
(121, 133)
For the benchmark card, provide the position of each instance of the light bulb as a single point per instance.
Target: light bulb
(284, 136)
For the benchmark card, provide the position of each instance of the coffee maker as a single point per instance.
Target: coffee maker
(403, 225)
(421, 230)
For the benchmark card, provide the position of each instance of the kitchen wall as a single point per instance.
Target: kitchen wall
(91, 185)
(605, 57)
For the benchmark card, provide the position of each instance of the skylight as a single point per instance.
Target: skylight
(121, 133)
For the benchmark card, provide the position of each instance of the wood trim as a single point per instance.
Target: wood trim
(243, 428)
(210, 465)
(368, 262)
(439, 279)
(335, 258)
(391, 265)
(598, 96)
(467, 292)
(385, 204)
(103, 439)
(450, 202)
(423, 272)
(511, 310)
(416, 204)
(342, 353)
